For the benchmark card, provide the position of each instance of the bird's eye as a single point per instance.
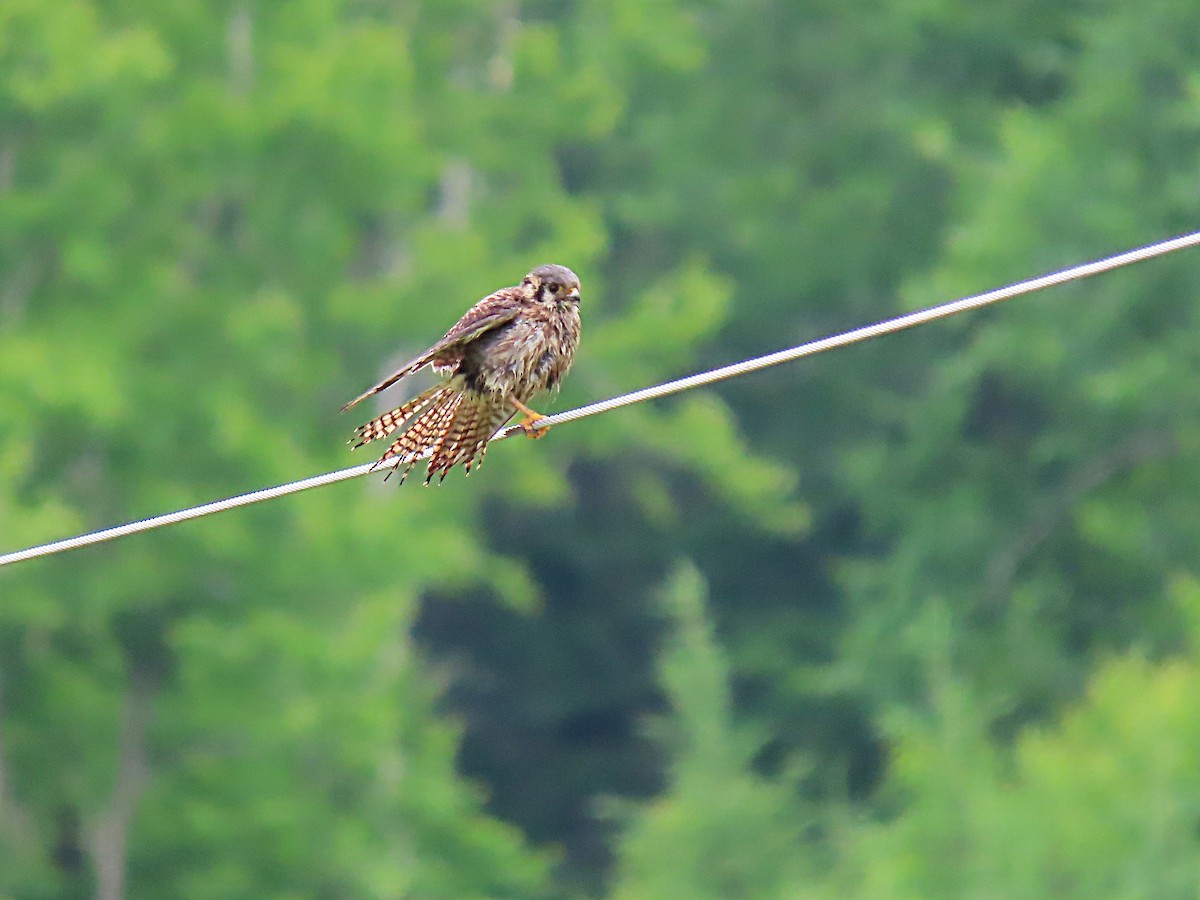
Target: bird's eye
(553, 288)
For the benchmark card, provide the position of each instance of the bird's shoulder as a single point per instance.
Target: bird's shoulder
(492, 311)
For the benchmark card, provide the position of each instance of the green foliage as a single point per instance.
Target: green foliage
(718, 830)
(1101, 803)
(1041, 474)
(951, 630)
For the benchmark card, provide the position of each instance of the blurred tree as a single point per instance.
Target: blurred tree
(717, 830)
(204, 212)
(1039, 478)
(217, 219)
(1101, 803)
(806, 151)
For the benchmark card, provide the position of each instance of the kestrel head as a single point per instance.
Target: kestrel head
(552, 284)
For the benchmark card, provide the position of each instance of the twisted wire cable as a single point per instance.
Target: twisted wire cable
(690, 382)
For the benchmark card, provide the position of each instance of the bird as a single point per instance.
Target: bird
(506, 348)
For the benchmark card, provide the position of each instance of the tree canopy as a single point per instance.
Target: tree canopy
(915, 619)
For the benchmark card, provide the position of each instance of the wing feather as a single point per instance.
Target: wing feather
(491, 312)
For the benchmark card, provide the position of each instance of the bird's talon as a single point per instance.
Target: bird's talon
(531, 429)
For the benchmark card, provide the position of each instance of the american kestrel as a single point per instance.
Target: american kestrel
(508, 346)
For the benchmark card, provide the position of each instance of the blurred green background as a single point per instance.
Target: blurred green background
(920, 618)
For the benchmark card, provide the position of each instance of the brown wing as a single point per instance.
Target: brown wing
(491, 312)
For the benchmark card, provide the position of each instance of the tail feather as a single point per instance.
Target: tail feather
(385, 424)
(445, 424)
(444, 431)
(465, 441)
(423, 434)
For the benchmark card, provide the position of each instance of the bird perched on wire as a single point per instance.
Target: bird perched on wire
(508, 347)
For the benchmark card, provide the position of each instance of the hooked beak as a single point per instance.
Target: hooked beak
(573, 294)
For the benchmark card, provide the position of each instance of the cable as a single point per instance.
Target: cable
(867, 332)
(183, 515)
(661, 390)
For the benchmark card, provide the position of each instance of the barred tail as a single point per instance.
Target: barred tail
(465, 441)
(444, 424)
(384, 425)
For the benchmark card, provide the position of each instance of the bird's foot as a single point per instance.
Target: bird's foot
(530, 425)
(531, 429)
